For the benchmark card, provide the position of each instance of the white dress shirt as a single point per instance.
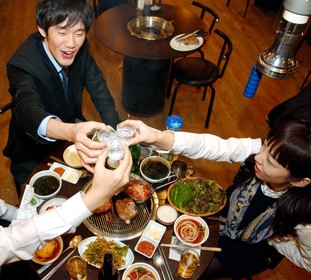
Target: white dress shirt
(23, 237)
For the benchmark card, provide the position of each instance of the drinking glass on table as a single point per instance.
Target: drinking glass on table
(189, 261)
(76, 267)
(191, 169)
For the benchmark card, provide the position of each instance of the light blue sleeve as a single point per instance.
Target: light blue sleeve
(42, 128)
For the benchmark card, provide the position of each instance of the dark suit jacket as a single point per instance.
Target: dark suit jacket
(37, 92)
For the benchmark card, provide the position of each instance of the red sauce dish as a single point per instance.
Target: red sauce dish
(145, 247)
(139, 190)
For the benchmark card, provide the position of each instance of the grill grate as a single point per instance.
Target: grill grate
(110, 225)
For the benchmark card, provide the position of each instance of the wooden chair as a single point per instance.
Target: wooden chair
(199, 72)
(6, 107)
(246, 7)
(212, 16)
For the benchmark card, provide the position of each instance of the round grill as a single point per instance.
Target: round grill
(110, 225)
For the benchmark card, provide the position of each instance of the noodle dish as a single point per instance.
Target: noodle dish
(140, 271)
(93, 249)
(192, 231)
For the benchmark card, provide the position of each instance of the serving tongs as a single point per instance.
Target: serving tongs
(172, 179)
(196, 33)
(187, 35)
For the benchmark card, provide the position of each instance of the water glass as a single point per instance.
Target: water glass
(127, 132)
(189, 261)
(76, 267)
(103, 136)
(191, 169)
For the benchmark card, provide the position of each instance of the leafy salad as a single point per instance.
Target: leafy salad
(198, 196)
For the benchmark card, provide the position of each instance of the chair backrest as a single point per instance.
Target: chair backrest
(6, 107)
(225, 52)
(213, 16)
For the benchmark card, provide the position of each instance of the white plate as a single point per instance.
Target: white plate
(72, 158)
(129, 258)
(180, 46)
(53, 202)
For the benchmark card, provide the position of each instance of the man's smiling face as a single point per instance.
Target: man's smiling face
(64, 42)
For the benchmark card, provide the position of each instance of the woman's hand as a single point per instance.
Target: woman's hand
(147, 135)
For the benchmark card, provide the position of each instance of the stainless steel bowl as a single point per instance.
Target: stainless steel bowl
(150, 28)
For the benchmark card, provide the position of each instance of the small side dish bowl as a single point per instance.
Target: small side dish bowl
(155, 169)
(140, 269)
(72, 158)
(50, 252)
(166, 214)
(51, 203)
(46, 184)
(191, 231)
(139, 190)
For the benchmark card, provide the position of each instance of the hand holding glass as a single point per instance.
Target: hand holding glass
(127, 132)
(116, 147)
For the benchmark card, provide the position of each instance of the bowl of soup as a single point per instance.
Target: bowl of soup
(140, 270)
(139, 190)
(155, 169)
(46, 184)
(191, 231)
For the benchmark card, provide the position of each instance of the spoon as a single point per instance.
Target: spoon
(159, 262)
(74, 242)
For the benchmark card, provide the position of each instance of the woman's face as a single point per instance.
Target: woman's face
(269, 170)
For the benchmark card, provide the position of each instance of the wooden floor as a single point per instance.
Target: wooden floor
(233, 114)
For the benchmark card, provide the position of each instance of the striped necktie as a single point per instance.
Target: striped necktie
(64, 73)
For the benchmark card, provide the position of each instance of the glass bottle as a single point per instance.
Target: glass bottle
(174, 123)
(108, 271)
(135, 151)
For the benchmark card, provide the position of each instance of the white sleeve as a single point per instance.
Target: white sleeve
(7, 211)
(297, 250)
(214, 148)
(23, 237)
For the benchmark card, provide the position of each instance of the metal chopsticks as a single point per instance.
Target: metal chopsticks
(214, 249)
(167, 267)
(185, 36)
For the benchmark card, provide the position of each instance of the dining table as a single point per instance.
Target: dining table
(146, 63)
(159, 198)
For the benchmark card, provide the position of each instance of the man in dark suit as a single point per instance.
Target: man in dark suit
(47, 76)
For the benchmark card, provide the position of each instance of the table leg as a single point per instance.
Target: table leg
(144, 85)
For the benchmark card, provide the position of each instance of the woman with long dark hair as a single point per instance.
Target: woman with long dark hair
(270, 170)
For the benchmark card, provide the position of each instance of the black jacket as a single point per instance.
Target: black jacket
(37, 92)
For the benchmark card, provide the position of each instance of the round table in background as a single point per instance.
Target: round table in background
(147, 63)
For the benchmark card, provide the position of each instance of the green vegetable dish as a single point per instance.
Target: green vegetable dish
(197, 196)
